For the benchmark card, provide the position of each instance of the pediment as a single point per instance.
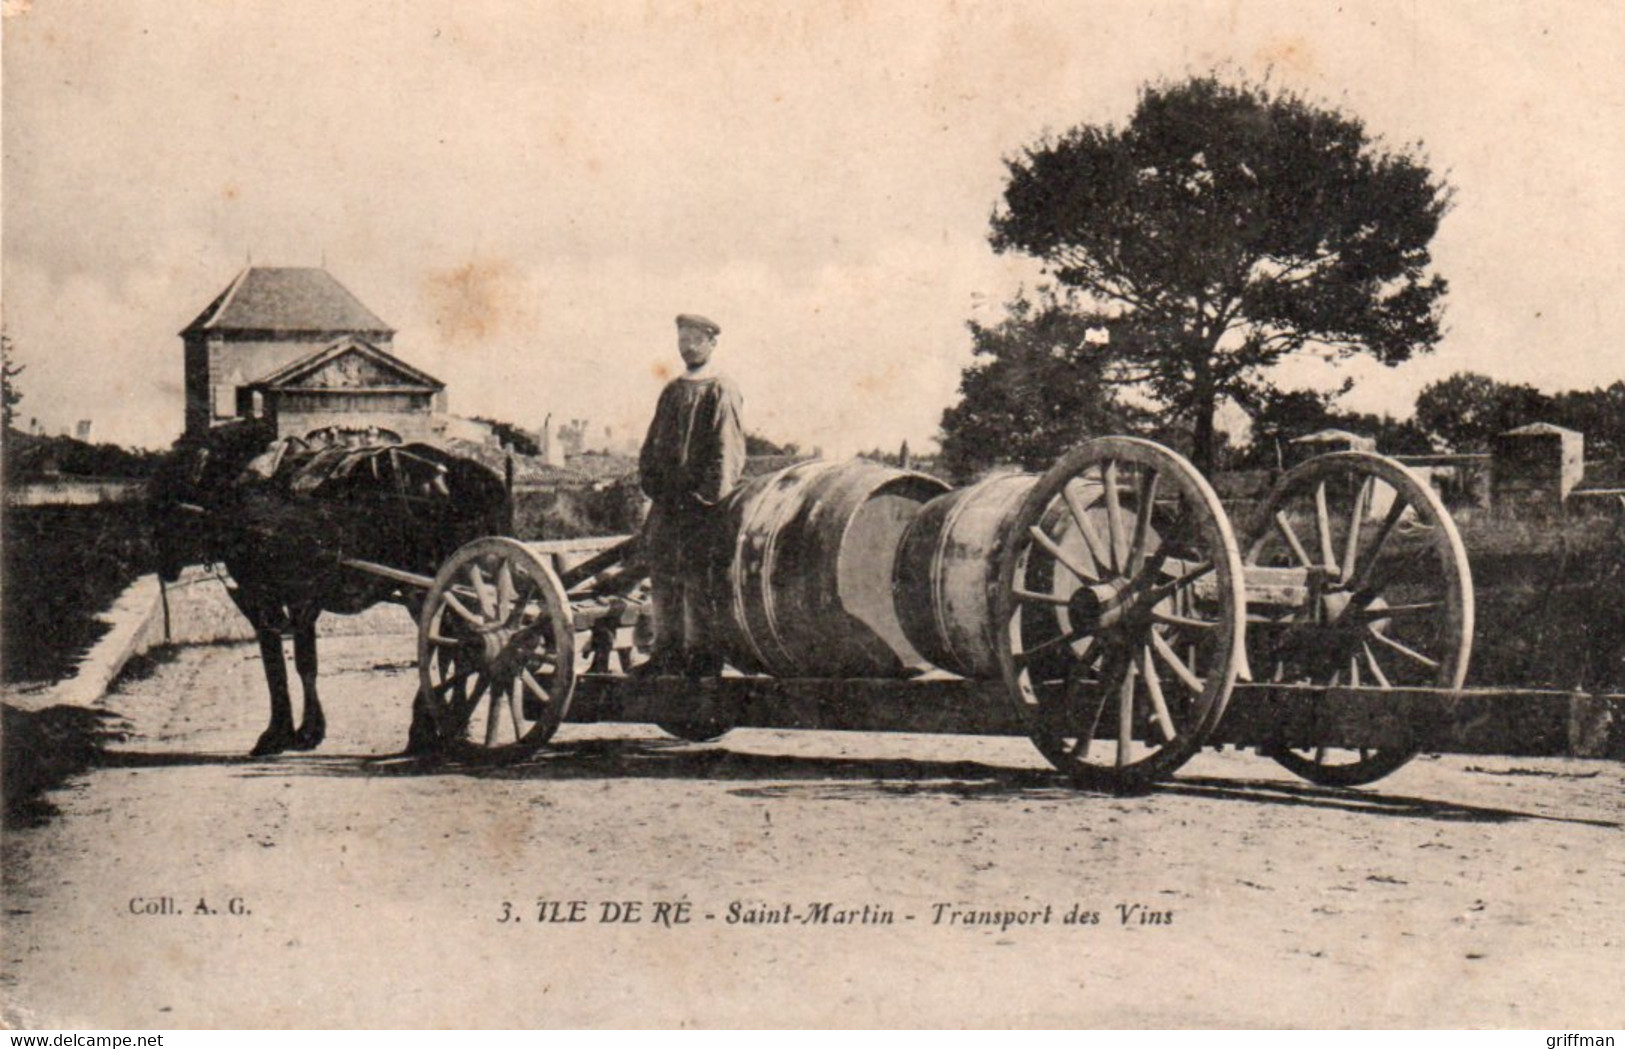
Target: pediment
(349, 371)
(350, 364)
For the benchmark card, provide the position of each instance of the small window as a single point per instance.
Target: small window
(225, 400)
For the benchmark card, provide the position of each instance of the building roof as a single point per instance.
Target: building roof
(384, 364)
(1538, 429)
(287, 299)
(1329, 437)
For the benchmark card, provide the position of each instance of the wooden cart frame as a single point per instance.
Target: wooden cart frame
(1122, 628)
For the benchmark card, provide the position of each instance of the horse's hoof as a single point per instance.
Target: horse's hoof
(419, 745)
(272, 743)
(309, 738)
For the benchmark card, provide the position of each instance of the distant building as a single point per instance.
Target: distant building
(293, 345)
(1324, 441)
(1536, 465)
(350, 390)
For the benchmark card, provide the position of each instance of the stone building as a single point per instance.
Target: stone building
(1536, 465)
(1324, 441)
(350, 388)
(292, 345)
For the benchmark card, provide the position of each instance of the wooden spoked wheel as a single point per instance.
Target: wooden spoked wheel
(1358, 577)
(496, 651)
(1122, 605)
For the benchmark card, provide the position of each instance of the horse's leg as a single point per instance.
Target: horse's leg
(421, 738)
(313, 726)
(278, 735)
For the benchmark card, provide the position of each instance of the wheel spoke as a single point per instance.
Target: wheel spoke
(1125, 716)
(1042, 646)
(455, 681)
(1162, 590)
(493, 716)
(1054, 550)
(535, 686)
(1284, 526)
(440, 639)
(506, 591)
(1170, 619)
(457, 606)
(467, 702)
(1041, 599)
(1186, 676)
(1108, 686)
(1114, 515)
(482, 589)
(1323, 527)
(524, 597)
(1142, 521)
(1091, 538)
(1404, 649)
(1372, 615)
(1351, 548)
(1153, 689)
(1354, 671)
(516, 712)
(1363, 576)
(1376, 668)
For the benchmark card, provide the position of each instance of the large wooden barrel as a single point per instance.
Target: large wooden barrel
(805, 590)
(947, 569)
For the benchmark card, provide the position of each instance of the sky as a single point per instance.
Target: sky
(529, 192)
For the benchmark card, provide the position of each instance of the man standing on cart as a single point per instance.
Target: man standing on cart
(691, 459)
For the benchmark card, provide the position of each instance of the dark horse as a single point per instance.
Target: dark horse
(281, 517)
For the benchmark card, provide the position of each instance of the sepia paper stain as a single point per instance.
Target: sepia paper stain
(662, 371)
(509, 833)
(1292, 54)
(475, 302)
(15, 8)
(879, 384)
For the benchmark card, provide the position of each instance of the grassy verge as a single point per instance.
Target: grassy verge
(40, 749)
(1550, 600)
(63, 565)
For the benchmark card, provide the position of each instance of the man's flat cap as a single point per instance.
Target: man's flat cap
(694, 320)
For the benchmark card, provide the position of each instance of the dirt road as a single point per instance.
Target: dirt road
(345, 888)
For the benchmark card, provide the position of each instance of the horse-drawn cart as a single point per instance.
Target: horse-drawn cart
(1104, 609)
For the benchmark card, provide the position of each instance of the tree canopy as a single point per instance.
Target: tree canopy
(10, 395)
(1466, 410)
(511, 436)
(1035, 390)
(757, 444)
(1282, 416)
(1223, 228)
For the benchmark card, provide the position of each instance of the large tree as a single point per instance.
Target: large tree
(1466, 410)
(1599, 414)
(1224, 228)
(10, 395)
(1035, 390)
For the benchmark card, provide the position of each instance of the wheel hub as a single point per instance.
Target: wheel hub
(1098, 607)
